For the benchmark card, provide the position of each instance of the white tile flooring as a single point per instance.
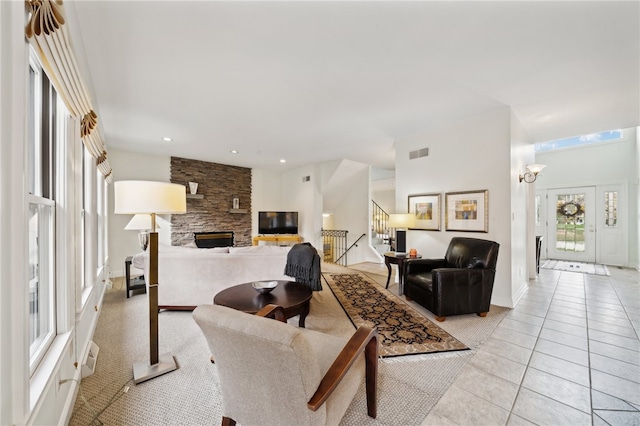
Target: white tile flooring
(567, 354)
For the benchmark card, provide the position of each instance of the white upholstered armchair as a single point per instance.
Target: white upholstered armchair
(272, 373)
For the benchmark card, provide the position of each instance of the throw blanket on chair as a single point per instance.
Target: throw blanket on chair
(303, 264)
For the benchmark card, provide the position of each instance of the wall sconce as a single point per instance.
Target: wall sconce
(532, 173)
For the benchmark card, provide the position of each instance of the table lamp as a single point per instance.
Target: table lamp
(142, 223)
(151, 198)
(401, 222)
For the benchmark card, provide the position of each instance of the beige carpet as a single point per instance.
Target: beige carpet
(408, 386)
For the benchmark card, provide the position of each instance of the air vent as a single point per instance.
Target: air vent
(306, 178)
(424, 152)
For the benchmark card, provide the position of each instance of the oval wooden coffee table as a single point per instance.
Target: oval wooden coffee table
(294, 298)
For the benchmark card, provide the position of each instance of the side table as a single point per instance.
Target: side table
(135, 283)
(392, 257)
(294, 298)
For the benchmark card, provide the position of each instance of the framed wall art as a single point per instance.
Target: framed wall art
(426, 211)
(467, 211)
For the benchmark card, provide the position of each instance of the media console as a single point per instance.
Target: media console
(278, 239)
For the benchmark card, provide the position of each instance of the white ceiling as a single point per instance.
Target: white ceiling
(320, 81)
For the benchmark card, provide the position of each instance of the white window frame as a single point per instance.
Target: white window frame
(42, 287)
(100, 221)
(588, 141)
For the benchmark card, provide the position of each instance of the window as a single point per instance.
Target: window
(41, 212)
(85, 219)
(608, 136)
(610, 209)
(101, 209)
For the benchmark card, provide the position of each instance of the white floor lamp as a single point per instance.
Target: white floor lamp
(134, 197)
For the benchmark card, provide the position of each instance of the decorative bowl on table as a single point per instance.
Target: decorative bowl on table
(264, 287)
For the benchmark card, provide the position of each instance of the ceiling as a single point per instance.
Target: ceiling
(312, 82)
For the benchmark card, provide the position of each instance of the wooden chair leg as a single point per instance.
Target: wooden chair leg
(440, 319)
(482, 314)
(226, 421)
(371, 378)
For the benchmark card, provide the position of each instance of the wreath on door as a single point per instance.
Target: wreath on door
(570, 209)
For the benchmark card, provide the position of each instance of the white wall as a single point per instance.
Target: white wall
(600, 164)
(352, 214)
(128, 165)
(14, 353)
(523, 260)
(266, 194)
(306, 199)
(471, 155)
(386, 199)
(634, 250)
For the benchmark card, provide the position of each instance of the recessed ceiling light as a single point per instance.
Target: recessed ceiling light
(283, 160)
(167, 139)
(233, 151)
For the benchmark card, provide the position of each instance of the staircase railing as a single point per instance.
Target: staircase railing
(355, 244)
(334, 246)
(380, 228)
(379, 219)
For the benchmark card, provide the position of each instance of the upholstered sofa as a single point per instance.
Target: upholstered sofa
(459, 283)
(189, 276)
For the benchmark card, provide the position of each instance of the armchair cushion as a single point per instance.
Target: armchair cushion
(415, 266)
(463, 252)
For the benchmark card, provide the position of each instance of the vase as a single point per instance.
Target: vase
(193, 187)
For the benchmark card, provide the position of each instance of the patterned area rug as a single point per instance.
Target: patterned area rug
(402, 330)
(585, 268)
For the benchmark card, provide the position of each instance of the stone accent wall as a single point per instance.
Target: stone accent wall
(219, 184)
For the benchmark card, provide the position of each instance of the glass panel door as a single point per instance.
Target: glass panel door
(571, 217)
(612, 225)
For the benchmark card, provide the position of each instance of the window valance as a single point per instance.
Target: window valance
(48, 36)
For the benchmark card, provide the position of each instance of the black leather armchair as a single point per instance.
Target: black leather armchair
(461, 283)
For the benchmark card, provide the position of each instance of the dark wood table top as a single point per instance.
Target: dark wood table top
(244, 297)
(392, 255)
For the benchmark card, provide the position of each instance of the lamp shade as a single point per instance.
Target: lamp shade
(536, 168)
(138, 196)
(403, 220)
(140, 222)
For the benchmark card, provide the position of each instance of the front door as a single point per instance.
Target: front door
(571, 219)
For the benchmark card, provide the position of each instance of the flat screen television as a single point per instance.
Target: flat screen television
(277, 222)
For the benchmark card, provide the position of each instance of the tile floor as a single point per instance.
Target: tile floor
(567, 354)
